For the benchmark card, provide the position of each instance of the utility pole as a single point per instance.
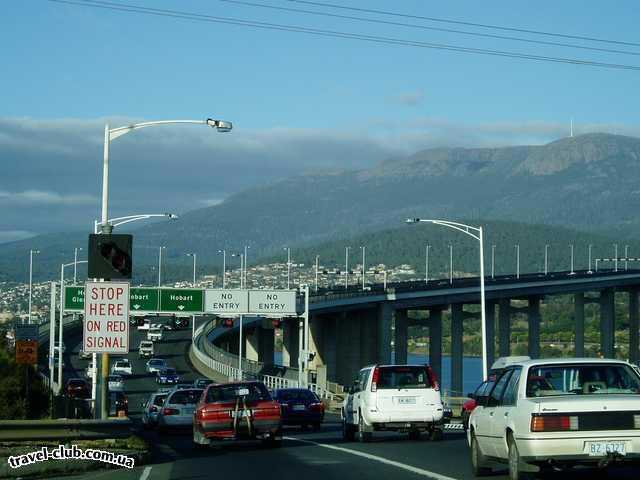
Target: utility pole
(493, 261)
(450, 264)
(426, 264)
(346, 268)
(363, 265)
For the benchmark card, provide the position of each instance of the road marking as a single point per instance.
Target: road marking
(403, 466)
(145, 473)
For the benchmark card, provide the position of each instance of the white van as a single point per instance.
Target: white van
(155, 333)
(402, 398)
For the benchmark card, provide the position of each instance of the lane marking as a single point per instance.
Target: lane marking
(145, 473)
(368, 456)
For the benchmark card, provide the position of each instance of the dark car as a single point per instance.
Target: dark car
(118, 404)
(78, 388)
(167, 376)
(300, 407)
(202, 382)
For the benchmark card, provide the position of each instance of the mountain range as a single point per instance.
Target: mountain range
(589, 183)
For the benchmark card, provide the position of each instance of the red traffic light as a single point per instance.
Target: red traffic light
(227, 322)
(277, 322)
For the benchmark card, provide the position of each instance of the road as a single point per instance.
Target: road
(303, 455)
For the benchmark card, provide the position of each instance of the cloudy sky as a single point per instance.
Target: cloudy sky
(299, 102)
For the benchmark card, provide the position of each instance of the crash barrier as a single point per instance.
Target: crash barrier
(64, 429)
(219, 361)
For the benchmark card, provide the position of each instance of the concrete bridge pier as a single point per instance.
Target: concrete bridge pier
(504, 327)
(316, 341)
(329, 354)
(634, 353)
(534, 327)
(384, 320)
(607, 323)
(435, 340)
(457, 323)
(490, 315)
(290, 342)
(400, 340)
(348, 348)
(259, 345)
(578, 301)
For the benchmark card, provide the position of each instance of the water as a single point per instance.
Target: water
(471, 370)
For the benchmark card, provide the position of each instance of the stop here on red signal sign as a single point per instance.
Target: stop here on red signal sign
(106, 317)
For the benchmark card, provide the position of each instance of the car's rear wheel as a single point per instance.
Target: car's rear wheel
(478, 461)
(363, 435)
(516, 465)
(348, 431)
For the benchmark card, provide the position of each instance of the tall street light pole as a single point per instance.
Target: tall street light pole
(626, 256)
(571, 247)
(288, 266)
(493, 262)
(518, 261)
(590, 247)
(31, 252)
(193, 317)
(474, 232)
(160, 265)
(426, 264)
(346, 267)
(246, 262)
(317, 264)
(363, 248)
(546, 259)
(109, 135)
(615, 250)
(450, 264)
(224, 268)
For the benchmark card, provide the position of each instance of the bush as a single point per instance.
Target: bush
(14, 404)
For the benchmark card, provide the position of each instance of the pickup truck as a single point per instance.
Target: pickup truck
(154, 334)
(145, 349)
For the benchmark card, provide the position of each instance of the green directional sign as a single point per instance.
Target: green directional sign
(181, 300)
(143, 300)
(74, 298)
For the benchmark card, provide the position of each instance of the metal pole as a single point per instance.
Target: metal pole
(626, 255)
(306, 336)
(30, 280)
(52, 337)
(106, 228)
(240, 352)
(60, 331)
(193, 317)
(517, 261)
(450, 264)
(426, 264)
(615, 245)
(246, 261)
(590, 258)
(288, 268)
(363, 266)
(346, 268)
(493, 261)
(483, 317)
(317, 259)
(571, 259)
(159, 266)
(242, 270)
(546, 259)
(385, 280)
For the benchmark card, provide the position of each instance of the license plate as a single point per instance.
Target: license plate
(240, 413)
(600, 449)
(406, 400)
(188, 411)
(299, 408)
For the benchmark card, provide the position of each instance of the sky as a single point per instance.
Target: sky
(299, 102)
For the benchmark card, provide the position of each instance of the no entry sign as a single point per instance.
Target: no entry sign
(106, 317)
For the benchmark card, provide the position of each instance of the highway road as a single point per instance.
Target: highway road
(303, 455)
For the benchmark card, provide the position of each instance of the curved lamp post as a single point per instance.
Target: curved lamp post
(473, 232)
(112, 134)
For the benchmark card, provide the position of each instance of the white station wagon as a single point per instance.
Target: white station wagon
(557, 413)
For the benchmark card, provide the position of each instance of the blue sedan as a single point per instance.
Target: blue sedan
(300, 407)
(167, 376)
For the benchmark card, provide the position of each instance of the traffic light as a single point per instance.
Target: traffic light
(110, 256)
(227, 322)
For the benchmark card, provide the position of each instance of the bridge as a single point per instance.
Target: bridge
(350, 328)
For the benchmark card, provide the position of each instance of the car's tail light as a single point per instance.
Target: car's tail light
(636, 421)
(434, 378)
(170, 411)
(375, 379)
(316, 407)
(554, 423)
(153, 408)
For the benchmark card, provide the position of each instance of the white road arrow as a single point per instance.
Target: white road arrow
(180, 307)
(136, 306)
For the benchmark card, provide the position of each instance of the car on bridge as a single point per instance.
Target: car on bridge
(151, 408)
(155, 365)
(178, 409)
(401, 398)
(155, 333)
(550, 414)
(84, 355)
(237, 411)
(122, 367)
(300, 406)
(145, 349)
(167, 376)
(115, 383)
(78, 388)
(202, 382)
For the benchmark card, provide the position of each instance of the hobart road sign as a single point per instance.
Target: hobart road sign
(74, 298)
(143, 300)
(272, 302)
(181, 300)
(106, 318)
(226, 301)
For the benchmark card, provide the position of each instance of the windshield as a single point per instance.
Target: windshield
(225, 393)
(296, 396)
(156, 362)
(184, 397)
(403, 377)
(582, 379)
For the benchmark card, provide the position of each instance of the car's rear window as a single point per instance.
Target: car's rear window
(582, 379)
(403, 377)
(184, 397)
(226, 393)
(76, 383)
(296, 395)
(159, 400)
(169, 371)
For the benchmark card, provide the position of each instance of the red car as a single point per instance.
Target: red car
(78, 388)
(237, 411)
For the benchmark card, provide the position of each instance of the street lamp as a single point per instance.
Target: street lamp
(474, 232)
(363, 266)
(31, 252)
(317, 260)
(116, 222)
(590, 246)
(160, 264)
(241, 256)
(193, 317)
(572, 272)
(224, 267)
(426, 264)
(246, 260)
(517, 260)
(346, 267)
(493, 261)
(288, 266)
(450, 264)
(546, 259)
(615, 249)
(112, 134)
(626, 256)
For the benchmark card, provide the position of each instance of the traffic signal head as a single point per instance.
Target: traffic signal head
(110, 256)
